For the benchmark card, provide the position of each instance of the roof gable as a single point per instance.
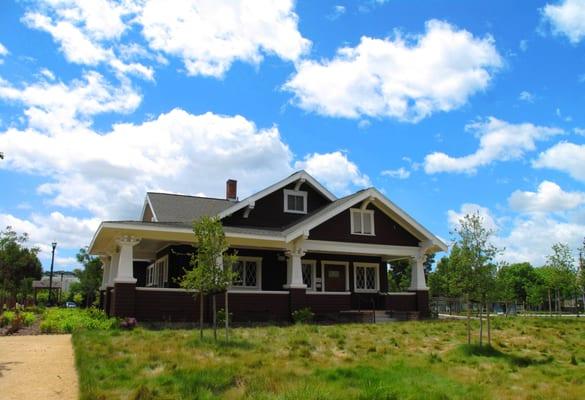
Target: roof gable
(167, 207)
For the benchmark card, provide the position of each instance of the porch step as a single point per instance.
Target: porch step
(382, 316)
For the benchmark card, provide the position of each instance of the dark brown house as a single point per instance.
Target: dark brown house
(297, 245)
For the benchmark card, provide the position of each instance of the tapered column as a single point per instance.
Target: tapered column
(295, 269)
(106, 262)
(125, 270)
(417, 277)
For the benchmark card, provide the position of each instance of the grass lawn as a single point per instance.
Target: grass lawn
(532, 358)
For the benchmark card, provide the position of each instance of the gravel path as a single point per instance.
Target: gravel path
(37, 367)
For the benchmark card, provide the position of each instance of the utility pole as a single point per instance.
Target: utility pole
(54, 245)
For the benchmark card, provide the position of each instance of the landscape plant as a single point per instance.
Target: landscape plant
(68, 320)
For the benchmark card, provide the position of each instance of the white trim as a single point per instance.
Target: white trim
(391, 210)
(300, 193)
(366, 265)
(147, 201)
(333, 293)
(279, 185)
(181, 290)
(399, 294)
(258, 291)
(160, 289)
(362, 212)
(313, 264)
(325, 246)
(153, 272)
(344, 263)
(258, 286)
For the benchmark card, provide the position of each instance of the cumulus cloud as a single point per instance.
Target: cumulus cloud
(454, 217)
(549, 197)
(405, 77)
(566, 18)
(526, 97)
(334, 170)
(566, 157)
(208, 36)
(3, 50)
(68, 232)
(400, 173)
(498, 141)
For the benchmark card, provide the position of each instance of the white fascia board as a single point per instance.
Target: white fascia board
(147, 202)
(278, 185)
(359, 248)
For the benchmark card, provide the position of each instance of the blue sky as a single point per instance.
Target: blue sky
(448, 107)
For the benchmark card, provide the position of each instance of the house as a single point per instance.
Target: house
(297, 246)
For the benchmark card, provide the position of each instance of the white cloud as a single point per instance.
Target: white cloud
(407, 78)
(400, 173)
(334, 170)
(549, 197)
(210, 35)
(526, 96)
(579, 131)
(3, 50)
(566, 157)
(499, 141)
(54, 106)
(567, 18)
(526, 237)
(523, 45)
(68, 232)
(338, 11)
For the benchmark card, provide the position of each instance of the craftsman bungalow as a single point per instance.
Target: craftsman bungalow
(297, 246)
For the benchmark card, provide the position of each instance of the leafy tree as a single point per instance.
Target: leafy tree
(562, 276)
(581, 272)
(90, 277)
(18, 263)
(211, 271)
(399, 275)
(513, 282)
(475, 269)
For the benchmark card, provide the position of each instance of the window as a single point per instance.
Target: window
(308, 269)
(366, 277)
(362, 222)
(247, 272)
(157, 274)
(295, 201)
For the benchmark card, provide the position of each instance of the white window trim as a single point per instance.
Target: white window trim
(258, 286)
(344, 263)
(313, 264)
(152, 273)
(301, 193)
(362, 212)
(366, 265)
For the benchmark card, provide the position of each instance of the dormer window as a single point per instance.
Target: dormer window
(362, 221)
(295, 201)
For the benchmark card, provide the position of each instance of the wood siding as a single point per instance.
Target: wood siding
(269, 212)
(388, 231)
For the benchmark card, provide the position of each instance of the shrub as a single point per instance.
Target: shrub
(221, 317)
(129, 323)
(59, 320)
(6, 318)
(303, 315)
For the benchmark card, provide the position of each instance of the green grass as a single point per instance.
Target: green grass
(531, 359)
(68, 320)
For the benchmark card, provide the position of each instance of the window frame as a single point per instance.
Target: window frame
(301, 193)
(361, 213)
(366, 265)
(154, 270)
(258, 286)
(313, 264)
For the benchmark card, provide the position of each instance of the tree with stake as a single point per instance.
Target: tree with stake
(561, 263)
(211, 271)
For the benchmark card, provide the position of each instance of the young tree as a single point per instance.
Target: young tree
(475, 269)
(90, 277)
(17, 263)
(211, 271)
(513, 281)
(581, 272)
(562, 265)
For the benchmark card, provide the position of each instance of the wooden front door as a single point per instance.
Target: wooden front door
(334, 277)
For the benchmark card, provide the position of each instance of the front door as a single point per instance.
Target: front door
(334, 277)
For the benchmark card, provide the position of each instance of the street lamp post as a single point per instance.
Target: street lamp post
(54, 245)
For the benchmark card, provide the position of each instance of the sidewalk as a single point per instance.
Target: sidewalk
(37, 367)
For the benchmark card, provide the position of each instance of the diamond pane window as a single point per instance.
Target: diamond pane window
(246, 271)
(360, 278)
(250, 273)
(238, 269)
(308, 275)
(370, 278)
(366, 277)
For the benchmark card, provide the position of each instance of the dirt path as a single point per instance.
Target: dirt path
(37, 367)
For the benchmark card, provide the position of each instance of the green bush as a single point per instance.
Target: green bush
(6, 318)
(67, 320)
(16, 319)
(303, 316)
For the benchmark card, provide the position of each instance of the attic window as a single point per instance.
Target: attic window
(362, 222)
(295, 201)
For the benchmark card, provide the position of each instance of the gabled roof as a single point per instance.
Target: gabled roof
(167, 207)
(279, 185)
(372, 194)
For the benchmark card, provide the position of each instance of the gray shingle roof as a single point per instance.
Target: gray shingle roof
(180, 208)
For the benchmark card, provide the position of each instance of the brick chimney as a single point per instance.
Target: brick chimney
(231, 190)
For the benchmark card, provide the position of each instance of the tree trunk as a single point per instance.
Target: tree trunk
(214, 319)
(549, 303)
(227, 317)
(489, 327)
(481, 324)
(201, 315)
(558, 301)
(468, 319)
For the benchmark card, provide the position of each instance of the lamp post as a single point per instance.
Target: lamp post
(54, 245)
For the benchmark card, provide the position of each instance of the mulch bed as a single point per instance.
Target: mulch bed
(34, 329)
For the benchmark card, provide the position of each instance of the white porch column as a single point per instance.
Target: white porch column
(113, 271)
(417, 279)
(125, 273)
(106, 260)
(295, 269)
